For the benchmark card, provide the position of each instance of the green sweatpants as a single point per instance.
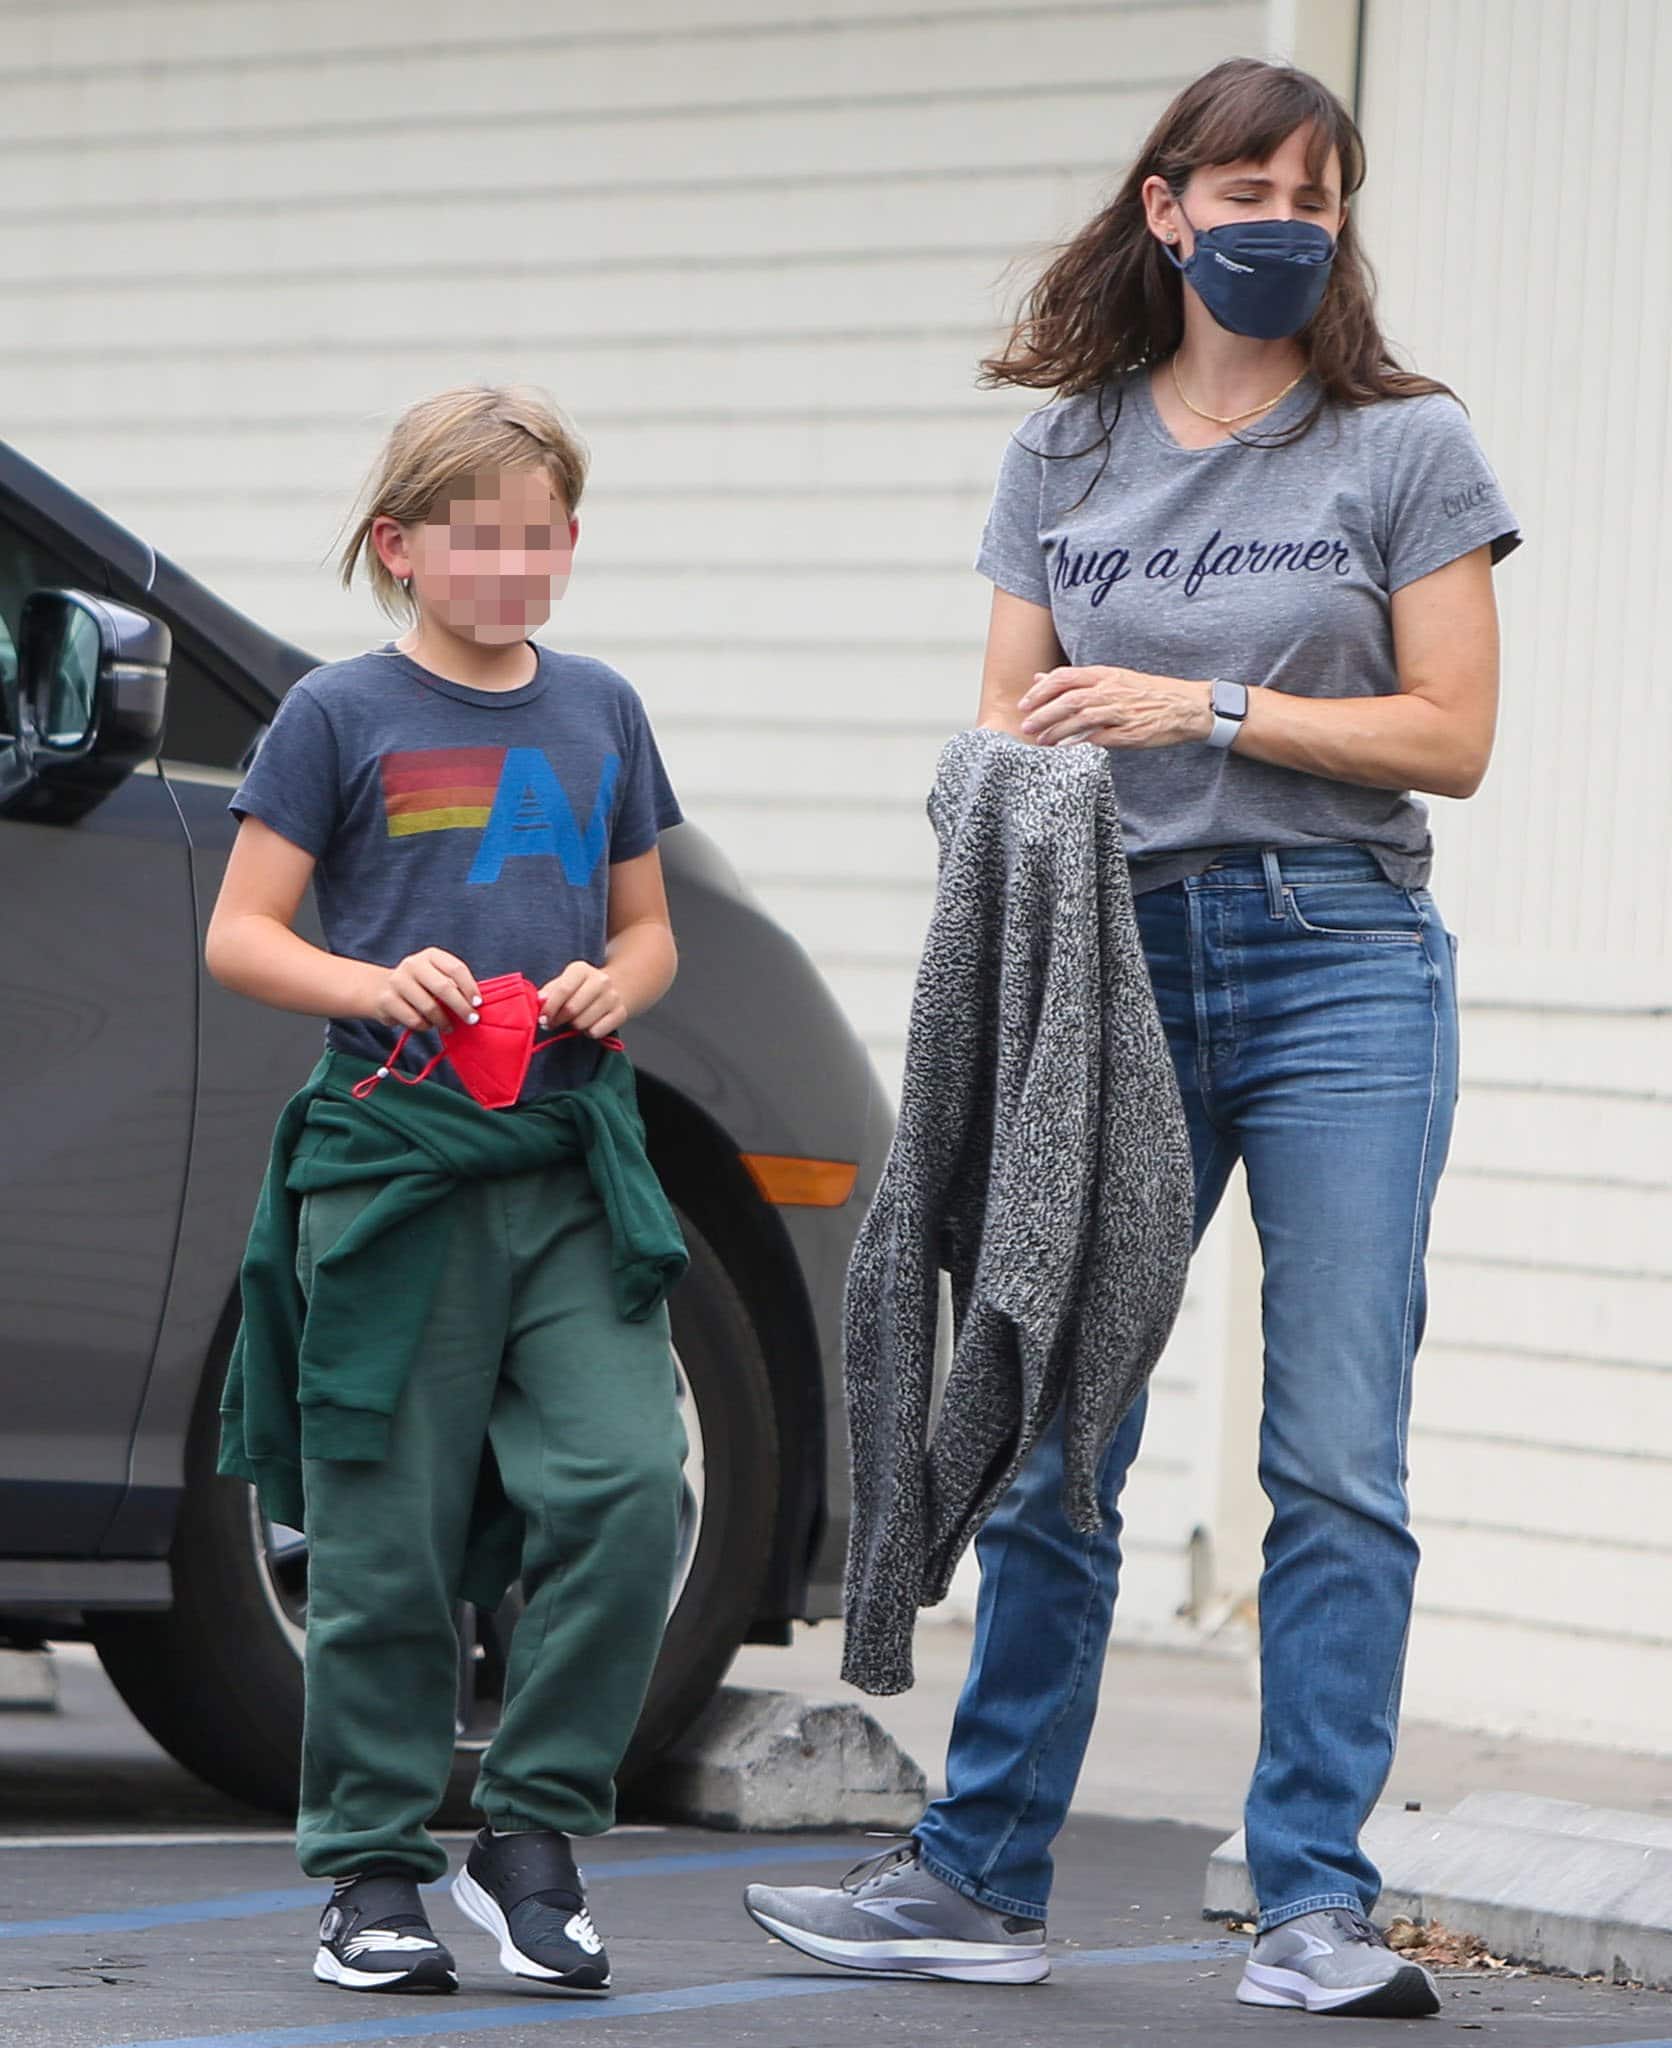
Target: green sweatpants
(525, 1352)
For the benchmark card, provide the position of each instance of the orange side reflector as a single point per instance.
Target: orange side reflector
(801, 1183)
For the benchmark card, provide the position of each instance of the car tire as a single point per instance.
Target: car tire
(217, 1679)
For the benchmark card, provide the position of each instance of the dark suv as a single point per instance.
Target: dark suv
(137, 1103)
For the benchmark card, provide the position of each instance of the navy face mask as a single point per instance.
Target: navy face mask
(1262, 278)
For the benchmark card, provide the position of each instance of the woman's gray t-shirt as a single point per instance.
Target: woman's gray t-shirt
(1272, 566)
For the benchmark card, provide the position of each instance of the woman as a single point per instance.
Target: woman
(1251, 558)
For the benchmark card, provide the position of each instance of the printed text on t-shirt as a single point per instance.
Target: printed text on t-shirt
(1102, 568)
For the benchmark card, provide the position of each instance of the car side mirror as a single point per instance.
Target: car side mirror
(92, 683)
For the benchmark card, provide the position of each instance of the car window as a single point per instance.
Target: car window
(206, 724)
(24, 566)
(8, 685)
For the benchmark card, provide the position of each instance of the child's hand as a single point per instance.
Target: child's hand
(585, 998)
(418, 993)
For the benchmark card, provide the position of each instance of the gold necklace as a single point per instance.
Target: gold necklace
(1235, 418)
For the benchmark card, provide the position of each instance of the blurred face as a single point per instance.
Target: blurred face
(491, 562)
(1282, 188)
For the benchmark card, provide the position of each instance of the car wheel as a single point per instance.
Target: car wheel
(217, 1679)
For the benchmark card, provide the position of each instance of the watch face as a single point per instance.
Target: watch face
(1230, 700)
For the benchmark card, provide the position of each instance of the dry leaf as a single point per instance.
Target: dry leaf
(1440, 1947)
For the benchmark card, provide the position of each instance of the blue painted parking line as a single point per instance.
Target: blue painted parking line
(1158, 1952)
(529, 2012)
(295, 1898)
(522, 2012)
(238, 1906)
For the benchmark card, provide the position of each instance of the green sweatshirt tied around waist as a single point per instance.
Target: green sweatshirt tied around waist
(320, 1377)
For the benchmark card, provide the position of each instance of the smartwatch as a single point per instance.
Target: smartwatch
(1230, 708)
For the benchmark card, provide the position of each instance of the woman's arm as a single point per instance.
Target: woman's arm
(1021, 641)
(1435, 735)
(251, 949)
(640, 960)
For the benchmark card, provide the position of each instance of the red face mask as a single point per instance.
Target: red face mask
(492, 1056)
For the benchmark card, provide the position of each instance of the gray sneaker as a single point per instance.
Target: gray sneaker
(1336, 1962)
(889, 1915)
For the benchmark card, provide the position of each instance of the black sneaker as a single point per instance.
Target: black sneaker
(374, 1935)
(526, 1892)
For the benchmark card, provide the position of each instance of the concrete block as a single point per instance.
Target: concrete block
(1566, 1817)
(28, 1682)
(1542, 1882)
(757, 1761)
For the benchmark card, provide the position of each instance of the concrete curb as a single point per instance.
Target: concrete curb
(28, 1682)
(1541, 1881)
(773, 1761)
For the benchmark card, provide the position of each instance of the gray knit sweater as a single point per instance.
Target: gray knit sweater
(1041, 1159)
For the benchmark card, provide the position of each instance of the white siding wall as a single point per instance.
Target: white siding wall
(757, 250)
(1516, 147)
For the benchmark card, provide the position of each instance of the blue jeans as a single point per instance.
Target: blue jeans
(1311, 1011)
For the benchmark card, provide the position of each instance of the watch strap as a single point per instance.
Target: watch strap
(1230, 707)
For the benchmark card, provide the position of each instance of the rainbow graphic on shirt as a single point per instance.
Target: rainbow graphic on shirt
(439, 789)
(511, 795)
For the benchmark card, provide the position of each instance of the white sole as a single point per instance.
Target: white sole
(476, 1904)
(329, 1971)
(1265, 1984)
(965, 1962)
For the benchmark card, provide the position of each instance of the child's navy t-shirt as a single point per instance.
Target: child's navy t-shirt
(481, 821)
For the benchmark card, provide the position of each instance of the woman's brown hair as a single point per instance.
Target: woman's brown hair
(1110, 302)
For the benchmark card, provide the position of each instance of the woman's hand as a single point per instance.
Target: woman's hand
(585, 998)
(416, 995)
(1115, 707)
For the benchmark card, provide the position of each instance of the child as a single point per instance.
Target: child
(454, 1365)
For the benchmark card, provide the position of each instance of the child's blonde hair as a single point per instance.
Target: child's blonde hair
(442, 442)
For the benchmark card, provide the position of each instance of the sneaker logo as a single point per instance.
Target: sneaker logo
(331, 1925)
(1315, 1945)
(379, 1939)
(583, 1934)
(914, 1916)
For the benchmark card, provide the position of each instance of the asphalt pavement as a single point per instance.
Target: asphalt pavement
(138, 1908)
